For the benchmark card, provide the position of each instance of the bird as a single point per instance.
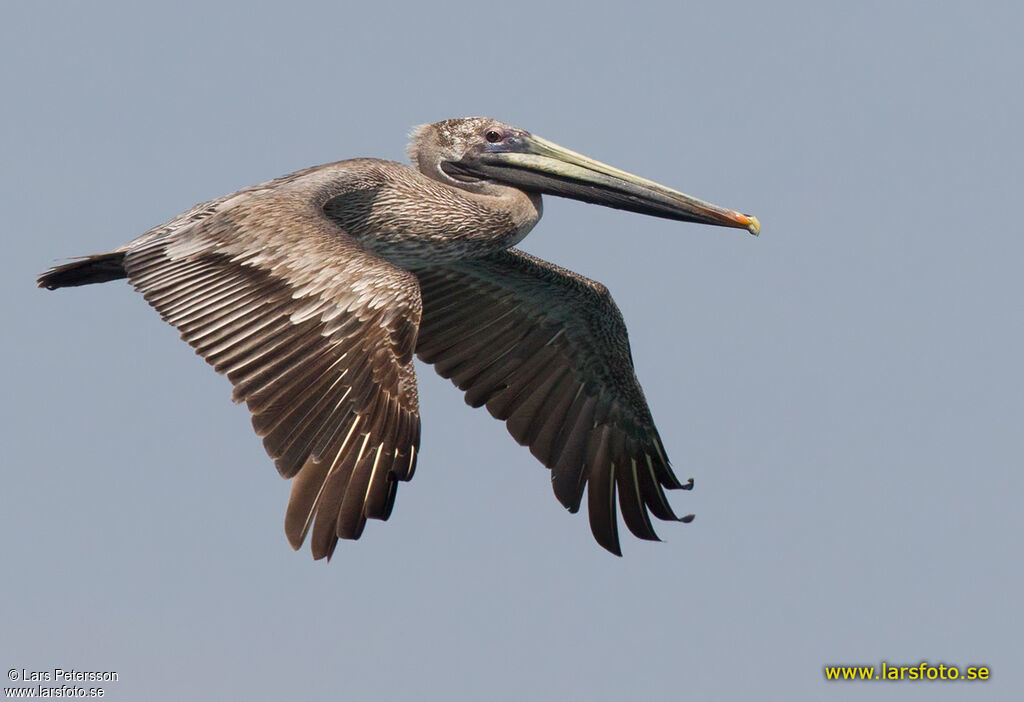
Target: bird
(314, 292)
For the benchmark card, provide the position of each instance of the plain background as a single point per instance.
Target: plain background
(846, 389)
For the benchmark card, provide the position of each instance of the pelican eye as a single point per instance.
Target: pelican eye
(493, 136)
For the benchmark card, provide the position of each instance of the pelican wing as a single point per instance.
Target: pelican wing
(316, 335)
(546, 351)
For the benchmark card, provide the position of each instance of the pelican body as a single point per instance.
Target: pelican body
(313, 293)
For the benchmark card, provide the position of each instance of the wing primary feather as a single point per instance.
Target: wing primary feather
(601, 493)
(307, 487)
(631, 502)
(654, 495)
(325, 529)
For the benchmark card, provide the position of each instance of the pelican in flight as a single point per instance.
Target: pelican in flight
(314, 291)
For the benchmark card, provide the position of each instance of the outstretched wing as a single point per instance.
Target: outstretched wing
(546, 351)
(317, 336)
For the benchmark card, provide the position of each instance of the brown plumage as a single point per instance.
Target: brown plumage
(313, 292)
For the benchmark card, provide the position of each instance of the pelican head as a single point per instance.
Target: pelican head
(476, 153)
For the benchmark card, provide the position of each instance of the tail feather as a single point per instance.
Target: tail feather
(90, 269)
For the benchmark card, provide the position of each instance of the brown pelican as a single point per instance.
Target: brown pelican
(312, 293)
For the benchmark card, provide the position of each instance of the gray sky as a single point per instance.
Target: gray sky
(846, 389)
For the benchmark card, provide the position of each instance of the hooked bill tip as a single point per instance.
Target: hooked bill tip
(753, 226)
